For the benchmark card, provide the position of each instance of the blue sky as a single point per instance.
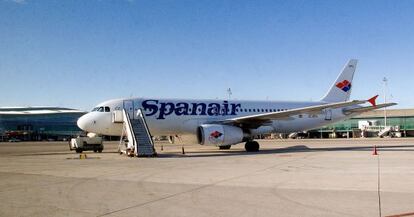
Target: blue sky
(79, 53)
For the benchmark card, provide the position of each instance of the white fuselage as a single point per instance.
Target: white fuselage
(184, 116)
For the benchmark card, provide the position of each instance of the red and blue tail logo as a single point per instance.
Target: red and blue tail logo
(345, 85)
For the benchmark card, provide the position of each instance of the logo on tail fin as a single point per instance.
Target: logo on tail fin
(345, 85)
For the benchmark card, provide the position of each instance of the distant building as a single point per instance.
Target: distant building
(39, 123)
(370, 124)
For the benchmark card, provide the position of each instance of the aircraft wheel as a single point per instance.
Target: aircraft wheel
(79, 150)
(225, 147)
(252, 146)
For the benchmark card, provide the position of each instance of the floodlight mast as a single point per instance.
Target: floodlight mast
(385, 80)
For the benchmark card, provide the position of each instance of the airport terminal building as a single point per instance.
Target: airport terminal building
(39, 123)
(369, 124)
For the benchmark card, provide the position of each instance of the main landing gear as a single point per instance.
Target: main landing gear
(252, 146)
(225, 147)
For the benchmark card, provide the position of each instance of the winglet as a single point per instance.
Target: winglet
(373, 101)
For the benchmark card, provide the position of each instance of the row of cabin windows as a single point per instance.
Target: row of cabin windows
(107, 109)
(245, 110)
(260, 110)
(101, 109)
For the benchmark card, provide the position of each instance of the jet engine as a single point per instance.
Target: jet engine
(219, 135)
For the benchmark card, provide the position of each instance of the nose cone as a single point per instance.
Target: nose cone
(84, 122)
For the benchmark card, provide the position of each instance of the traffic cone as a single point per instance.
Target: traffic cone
(375, 152)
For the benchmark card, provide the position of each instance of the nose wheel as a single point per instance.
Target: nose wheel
(252, 146)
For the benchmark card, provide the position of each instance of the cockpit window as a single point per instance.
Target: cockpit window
(101, 109)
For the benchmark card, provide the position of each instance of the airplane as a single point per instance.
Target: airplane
(224, 123)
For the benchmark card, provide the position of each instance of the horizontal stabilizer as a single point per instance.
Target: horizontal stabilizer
(369, 108)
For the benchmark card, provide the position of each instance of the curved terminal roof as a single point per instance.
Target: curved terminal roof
(37, 110)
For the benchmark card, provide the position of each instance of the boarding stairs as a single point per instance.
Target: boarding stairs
(385, 131)
(139, 140)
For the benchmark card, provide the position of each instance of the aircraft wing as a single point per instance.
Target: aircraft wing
(255, 121)
(368, 108)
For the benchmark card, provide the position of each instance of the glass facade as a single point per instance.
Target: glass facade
(405, 123)
(54, 125)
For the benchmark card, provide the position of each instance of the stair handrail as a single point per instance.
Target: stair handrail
(127, 120)
(141, 115)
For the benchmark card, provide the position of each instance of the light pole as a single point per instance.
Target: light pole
(385, 80)
(229, 92)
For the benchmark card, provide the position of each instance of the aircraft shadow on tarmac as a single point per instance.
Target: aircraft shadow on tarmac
(223, 153)
(57, 153)
(291, 149)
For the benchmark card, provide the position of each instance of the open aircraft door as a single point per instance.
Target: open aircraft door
(129, 107)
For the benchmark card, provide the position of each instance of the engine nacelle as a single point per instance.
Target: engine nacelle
(219, 135)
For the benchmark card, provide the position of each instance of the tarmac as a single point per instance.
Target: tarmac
(286, 178)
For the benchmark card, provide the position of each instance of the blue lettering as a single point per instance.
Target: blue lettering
(163, 109)
(181, 108)
(195, 107)
(226, 108)
(213, 109)
(234, 107)
(152, 108)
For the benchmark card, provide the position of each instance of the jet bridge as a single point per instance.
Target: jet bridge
(138, 141)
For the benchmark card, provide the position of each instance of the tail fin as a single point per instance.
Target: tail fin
(341, 88)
